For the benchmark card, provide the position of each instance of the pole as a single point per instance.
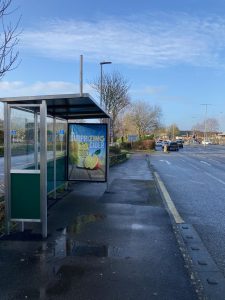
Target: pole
(7, 165)
(107, 151)
(43, 167)
(101, 86)
(36, 140)
(54, 156)
(205, 125)
(81, 75)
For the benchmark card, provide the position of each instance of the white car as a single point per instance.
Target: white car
(206, 143)
(158, 143)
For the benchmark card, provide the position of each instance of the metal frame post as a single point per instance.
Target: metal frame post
(43, 167)
(107, 167)
(7, 164)
(36, 140)
(54, 156)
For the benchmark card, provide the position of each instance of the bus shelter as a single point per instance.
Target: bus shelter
(40, 155)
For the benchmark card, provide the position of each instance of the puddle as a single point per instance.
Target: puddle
(63, 279)
(80, 222)
(137, 226)
(82, 249)
(69, 247)
(66, 245)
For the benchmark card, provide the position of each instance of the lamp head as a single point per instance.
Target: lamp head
(105, 62)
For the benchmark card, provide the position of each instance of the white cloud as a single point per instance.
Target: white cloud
(19, 88)
(154, 90)
(153, 40)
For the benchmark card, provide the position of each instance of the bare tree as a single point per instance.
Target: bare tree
(8, 39)
(114, 94)
(210, 125)
(124, 125)
(173, 131)
(145, 117)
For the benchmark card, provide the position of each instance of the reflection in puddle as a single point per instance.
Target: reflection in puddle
(137, 226)
(81, 221)
(66, 245)
(82, 249)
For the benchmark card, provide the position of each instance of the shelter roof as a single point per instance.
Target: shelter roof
(65, 106)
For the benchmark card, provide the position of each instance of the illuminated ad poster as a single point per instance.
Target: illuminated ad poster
(87, 152)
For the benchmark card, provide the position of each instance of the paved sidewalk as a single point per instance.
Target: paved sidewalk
(113, 245)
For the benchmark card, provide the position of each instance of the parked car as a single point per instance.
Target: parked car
(171, 146)
(180, 143)
(206, 143)
(158, 143)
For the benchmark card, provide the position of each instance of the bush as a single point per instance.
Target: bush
(126, 145)
(116, 159)
(114, 149)
(144, 145)
(1, 151)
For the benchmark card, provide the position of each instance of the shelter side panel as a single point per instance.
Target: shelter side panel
(25, 196)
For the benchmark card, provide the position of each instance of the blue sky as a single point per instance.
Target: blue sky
(171, 51)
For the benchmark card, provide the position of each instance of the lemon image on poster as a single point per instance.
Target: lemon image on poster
(92, 162)
(83, 152)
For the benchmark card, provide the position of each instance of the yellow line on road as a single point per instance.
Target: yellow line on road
(169, 202)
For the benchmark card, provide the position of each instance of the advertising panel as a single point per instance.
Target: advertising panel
(87, 152)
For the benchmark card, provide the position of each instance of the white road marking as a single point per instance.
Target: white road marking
(204, 162)
(168, 163)
(168, 200)
(214, 160)
(193, 166)
(217, 179)
(197, 182)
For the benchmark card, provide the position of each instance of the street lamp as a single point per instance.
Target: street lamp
(205, 125)
(101, 64)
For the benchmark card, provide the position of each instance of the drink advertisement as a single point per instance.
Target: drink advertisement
(87, 152)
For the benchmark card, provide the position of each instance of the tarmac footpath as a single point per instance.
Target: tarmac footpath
(114, 245)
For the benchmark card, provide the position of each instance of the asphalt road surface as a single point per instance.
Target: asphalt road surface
(195, 180)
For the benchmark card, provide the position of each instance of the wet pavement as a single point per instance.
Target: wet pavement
(114, 245)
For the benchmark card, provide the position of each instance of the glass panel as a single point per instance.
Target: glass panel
(61, 152)
(50, 155)
(23, 139)
(61, 137)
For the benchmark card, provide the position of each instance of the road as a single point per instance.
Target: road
(195, 180)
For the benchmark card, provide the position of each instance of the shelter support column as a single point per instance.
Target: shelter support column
(54, 156)
(36, 140)
(107, 167)
(43, 167)
(7, 165)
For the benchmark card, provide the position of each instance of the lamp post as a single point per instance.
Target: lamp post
(194, 128)
(205, 123)
(101, 64)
